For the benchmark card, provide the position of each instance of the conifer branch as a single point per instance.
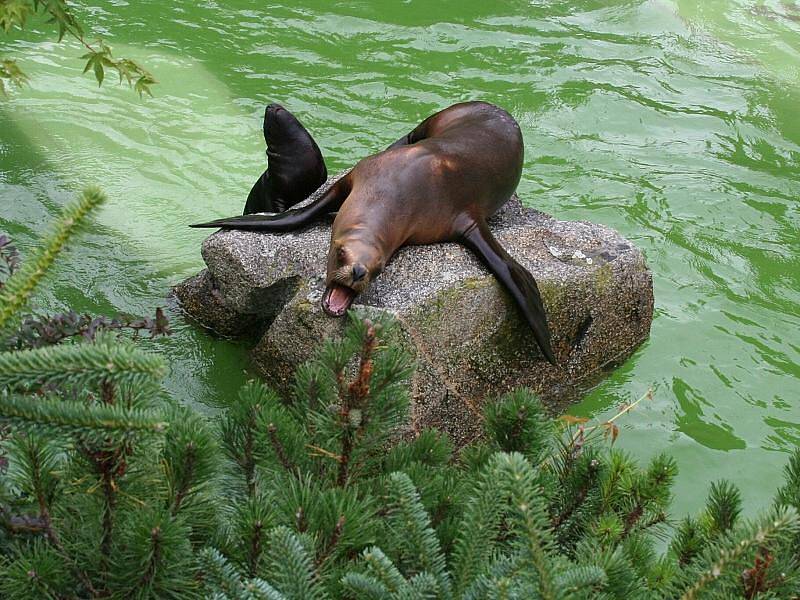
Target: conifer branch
(187, 476)
(278, 447)
(762, 535)
(38, 463)
(478, 529)
(109, 493)
(577, 499)
(291, 568)
(156, 550)
(219, 574)
(415, 533)
(109, 462)
(365, 587)
(334, 540)
(354, 422)
(255, 547)
(381, 567)
(249, 459)
(85, 365)
(519, 482)
(20, 286)
(56, 415)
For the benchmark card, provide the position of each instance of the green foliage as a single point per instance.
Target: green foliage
(559, 516)
(94, 501)
(221, 576)
(10, 71)
(99, 59)
(789, 494)
(18, 288)
(112, 490)
(14, 14)
(82, 365)
(53, 415)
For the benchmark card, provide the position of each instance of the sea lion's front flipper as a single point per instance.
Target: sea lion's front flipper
(420, 132)
(516, 279)
(260, 199)
(291, 219)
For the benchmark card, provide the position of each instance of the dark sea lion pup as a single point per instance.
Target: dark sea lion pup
(295, 168)
(439, 183)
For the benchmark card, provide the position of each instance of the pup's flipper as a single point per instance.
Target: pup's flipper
(291, 219)
(515, 278)
(260, 199)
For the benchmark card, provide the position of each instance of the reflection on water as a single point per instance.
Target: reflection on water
(674, 122)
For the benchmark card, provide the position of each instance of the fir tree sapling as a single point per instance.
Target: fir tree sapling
(109, 489)
(540, 508)
(94, 502)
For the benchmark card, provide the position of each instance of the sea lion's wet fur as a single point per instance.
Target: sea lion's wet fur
(439, 183)
(295, 167)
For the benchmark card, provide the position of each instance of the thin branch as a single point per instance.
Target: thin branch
(280, 451)
(334, 541)
(358, 391)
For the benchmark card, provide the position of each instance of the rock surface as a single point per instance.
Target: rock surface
(465, 332)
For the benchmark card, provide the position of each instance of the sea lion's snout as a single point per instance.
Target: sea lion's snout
(278, 123)
(359, 272)
(350, 270)
(347, 282)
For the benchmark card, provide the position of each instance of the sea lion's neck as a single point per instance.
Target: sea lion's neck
(369, 227)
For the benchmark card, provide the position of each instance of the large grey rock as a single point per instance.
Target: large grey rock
(468, 339)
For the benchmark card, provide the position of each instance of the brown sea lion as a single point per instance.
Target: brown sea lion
(439, 183)
(295, 167)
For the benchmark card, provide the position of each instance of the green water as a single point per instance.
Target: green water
(675, 123)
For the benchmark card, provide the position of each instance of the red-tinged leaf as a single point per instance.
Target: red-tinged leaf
(611, 429)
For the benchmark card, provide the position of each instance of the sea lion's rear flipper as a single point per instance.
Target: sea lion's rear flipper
(260, 199)
(291, 219)
(515, 278)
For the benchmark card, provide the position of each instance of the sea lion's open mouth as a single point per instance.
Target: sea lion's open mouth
(337, 299)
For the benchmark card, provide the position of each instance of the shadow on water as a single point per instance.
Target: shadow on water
(103, 272)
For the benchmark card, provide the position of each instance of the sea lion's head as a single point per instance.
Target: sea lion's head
(282, 128)
(352, 265)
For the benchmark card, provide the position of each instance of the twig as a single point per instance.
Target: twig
(322, 452)
(255, 548)
(358, 393)
(280, 451)
(335, 537)
(186, 480)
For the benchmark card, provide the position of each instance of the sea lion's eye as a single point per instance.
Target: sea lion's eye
(341, 253)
